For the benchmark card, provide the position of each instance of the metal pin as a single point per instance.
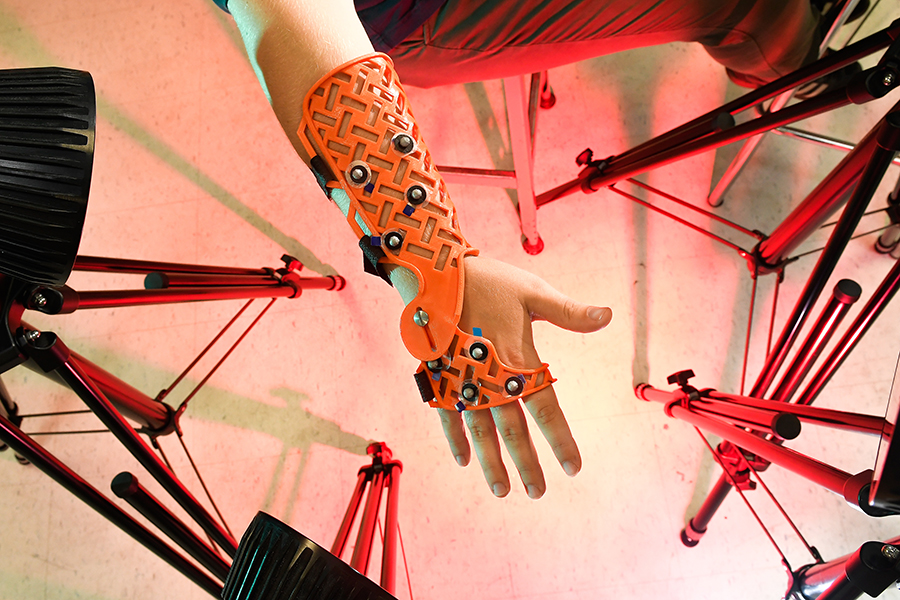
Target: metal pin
(32, 335)
(39, 300)
(420, 318)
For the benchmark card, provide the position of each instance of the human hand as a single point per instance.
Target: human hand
(503, 301)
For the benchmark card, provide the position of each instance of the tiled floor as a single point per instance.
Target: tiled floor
(191, 166)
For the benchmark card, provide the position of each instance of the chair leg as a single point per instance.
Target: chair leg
(521, 141)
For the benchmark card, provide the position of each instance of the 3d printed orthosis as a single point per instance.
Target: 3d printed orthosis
(357, 122)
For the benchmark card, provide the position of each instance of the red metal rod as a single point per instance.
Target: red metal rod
(389, 556)
(142, 267)
(870, 312)
(818, 472)
(160, 280)
(121, 298)
(846, 292)
(818, 206)
(131, 402)
(835, 419)
(340, 541)
(363, 549)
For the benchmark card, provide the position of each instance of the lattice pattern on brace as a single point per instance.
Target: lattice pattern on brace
(358, 121)
(471, 377)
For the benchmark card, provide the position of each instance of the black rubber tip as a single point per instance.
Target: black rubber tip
(690, 543)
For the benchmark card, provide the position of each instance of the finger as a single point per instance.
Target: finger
(487, 449)
(544, 409)
(456, 436)
(546, 303)
(513, 429)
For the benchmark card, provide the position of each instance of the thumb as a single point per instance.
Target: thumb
(557, 308)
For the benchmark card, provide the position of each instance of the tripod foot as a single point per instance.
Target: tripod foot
(690, 537)
(687, 541)
(533, 248)
(548, 98)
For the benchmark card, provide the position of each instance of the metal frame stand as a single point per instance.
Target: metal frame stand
(719, 127)
(110, 398)
(383, 473)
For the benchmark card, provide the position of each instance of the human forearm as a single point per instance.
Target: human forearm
(292, 44)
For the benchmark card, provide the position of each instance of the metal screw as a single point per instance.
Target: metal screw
(420, 318)
(888, 79)
(469, 391)
(39, 300)
(393, 240)
(32, 335)
(404, 143)
(434, 365)
(513, 386)
(892, 553)
(359, 174)
(416, 195)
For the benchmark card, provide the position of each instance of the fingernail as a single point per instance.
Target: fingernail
(599, 314)
(570, 468)
(461, 460)
(500, 490)
(534, 492)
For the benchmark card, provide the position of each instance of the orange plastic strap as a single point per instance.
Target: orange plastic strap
(472, 377)
(357, 120)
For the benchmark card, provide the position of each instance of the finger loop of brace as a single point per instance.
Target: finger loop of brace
(357, 122)
(472, 377)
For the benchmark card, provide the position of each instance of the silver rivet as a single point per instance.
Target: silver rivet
(39, 300)
(420, 318)
(31, 335)
(478, 353)
(470, 391)
(434, 365)
(890, 552)
(888, 79)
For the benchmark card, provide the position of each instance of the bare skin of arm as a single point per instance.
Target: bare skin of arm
(293, 44)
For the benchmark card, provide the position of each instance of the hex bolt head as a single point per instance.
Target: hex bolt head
(420, 318)
(404, 143)
(478, 351)
(416, 195)
(393, 240)
(513, 386)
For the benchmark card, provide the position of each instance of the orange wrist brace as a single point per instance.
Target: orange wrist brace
(357, 122)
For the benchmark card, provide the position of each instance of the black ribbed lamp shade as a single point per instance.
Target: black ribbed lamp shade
(274, 562)
(47, 120)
